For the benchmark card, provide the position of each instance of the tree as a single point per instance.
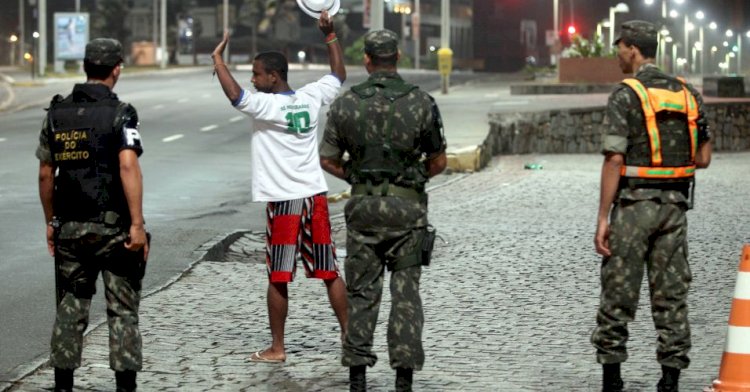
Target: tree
(109, 20)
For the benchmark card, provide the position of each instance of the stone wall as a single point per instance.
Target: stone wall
(580, 130)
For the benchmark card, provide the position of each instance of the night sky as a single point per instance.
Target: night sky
(586, 13)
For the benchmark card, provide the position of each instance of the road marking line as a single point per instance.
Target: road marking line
(209, 128)
(206, 95)
(235, 119)
(182, 100)
(172, 138)
(491, 95)
(2, 139)
(157, 107)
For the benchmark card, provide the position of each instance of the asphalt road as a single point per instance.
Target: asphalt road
(196, 168)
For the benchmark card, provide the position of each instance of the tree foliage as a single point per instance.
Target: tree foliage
(581, 47)
(109, 20)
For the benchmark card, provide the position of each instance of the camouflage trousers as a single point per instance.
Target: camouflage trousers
(367, 256)
(79, 263)
(655, 234)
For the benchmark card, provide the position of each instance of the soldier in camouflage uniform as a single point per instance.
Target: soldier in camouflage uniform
(392, 132)
(657, 137)
(91, 190)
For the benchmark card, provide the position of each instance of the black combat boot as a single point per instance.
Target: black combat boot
(358, 378)
(403, 379)
(669, 379)
(125, 381)
(63, 380)
(611, 380)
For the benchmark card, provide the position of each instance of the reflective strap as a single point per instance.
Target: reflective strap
(650, 116)
(658, 172)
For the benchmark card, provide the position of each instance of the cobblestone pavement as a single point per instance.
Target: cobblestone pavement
(510, 299)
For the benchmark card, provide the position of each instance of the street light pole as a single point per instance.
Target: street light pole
(739, 53)
(620, 7)
(163, 35)
(376, 15)
(415, 27)
(687, 37)
(445, 37)
(22, 28)
(42, 37)
(226, 28)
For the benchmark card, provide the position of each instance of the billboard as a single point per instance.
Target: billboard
(71, 35)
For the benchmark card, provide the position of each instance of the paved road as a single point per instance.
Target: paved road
(510, 300)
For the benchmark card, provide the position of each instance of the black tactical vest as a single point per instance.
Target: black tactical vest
(385, 158)
(86, 152)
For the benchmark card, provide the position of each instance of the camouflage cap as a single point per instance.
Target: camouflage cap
(381, 43)
(637, 32)
(104, 51)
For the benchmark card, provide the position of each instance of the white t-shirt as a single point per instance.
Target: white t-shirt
(285, 160)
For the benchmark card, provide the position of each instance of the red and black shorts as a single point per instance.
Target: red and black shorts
(301, 229)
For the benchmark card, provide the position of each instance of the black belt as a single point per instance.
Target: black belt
(386, 189)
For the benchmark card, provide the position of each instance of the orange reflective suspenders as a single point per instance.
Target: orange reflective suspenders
(653, 101)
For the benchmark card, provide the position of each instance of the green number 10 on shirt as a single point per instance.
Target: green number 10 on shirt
(298, 122)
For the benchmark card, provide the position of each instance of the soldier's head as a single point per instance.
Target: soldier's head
(637, 42)
(102, 59)
(381, 50)
(270, 71)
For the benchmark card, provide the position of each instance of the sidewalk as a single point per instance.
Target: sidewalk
(510, 299)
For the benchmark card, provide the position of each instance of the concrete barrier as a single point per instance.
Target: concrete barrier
(580, 130)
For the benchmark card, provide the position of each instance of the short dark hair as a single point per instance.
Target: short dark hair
(274, 61)
(648, 50)
(387, 61)
(97, 72)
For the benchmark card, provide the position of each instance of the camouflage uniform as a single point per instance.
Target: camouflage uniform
(84, 248)
(648, 225)
(382, 230)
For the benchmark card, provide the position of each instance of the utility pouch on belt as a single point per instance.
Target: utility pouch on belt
(428, 243)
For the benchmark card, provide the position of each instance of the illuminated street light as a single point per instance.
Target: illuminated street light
(620, 7)
(13, 39)
(700, 15)
(649, 2)
(713, 26)
(674, 14)
(729, 33)
(668, 40)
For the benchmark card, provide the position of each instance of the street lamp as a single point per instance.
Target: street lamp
(13, 39)
(33, 56)
(599, 32)
(620, 7)
(402, 7)
(700, 44)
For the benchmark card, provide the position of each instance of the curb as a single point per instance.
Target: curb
(466, 159)
(213, 249)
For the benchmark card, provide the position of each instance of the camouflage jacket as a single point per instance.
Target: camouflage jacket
(417, 122)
